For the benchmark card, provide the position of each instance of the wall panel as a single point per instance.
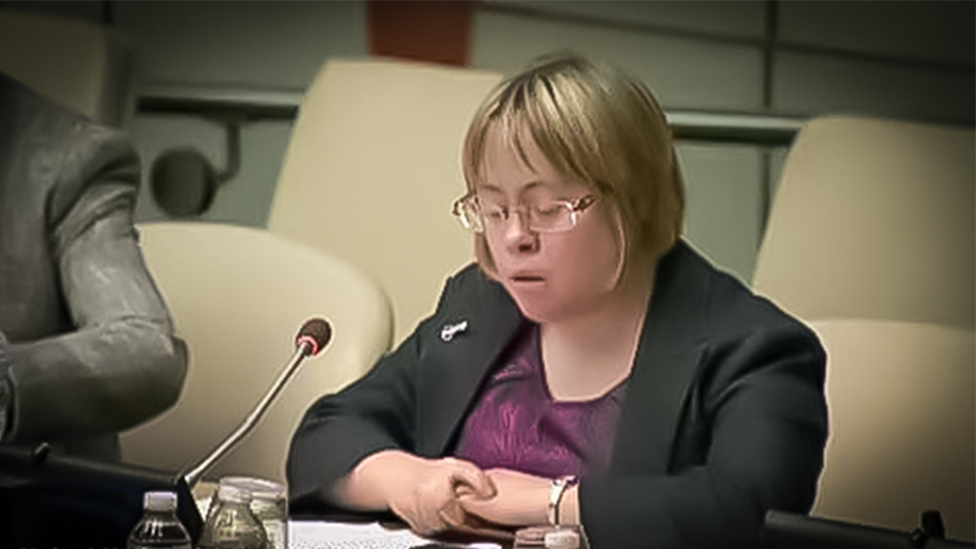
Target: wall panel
(925, 31)
(742, 18)
(814, 84)
(685, 73)
(724, 203)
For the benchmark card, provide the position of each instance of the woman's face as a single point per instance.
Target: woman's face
(552, 276)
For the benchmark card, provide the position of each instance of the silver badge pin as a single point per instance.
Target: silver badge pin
(448, 331)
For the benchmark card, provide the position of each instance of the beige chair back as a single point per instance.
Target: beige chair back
(903, 424)
(874, 219)
(84, 67)
(372, 169)
(238, 297)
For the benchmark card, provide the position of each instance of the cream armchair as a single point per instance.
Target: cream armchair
(238, 296)
(903, 424)
(372, 169)
(874, 219)
(872, 241)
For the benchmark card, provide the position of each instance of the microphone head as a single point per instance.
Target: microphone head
(317, 333)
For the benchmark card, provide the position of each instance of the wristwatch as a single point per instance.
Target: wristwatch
(558, 487)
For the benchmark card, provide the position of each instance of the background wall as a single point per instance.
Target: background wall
(904, 59)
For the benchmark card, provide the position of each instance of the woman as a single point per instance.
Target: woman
(591, 368)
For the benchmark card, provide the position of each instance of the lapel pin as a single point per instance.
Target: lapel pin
(448, 331)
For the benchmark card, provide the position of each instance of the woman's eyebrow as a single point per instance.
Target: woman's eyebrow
(497, 189)
(487, 187)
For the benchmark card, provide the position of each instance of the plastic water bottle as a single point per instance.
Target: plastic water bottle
(232, 524)
(159, 527)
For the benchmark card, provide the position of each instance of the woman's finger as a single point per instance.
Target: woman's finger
(468, 479)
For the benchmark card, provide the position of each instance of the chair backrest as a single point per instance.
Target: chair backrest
(84, 67)
(874, 219)
(903, 424)
(372, 168)
(238, 297)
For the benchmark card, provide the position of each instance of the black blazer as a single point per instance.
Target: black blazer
(724, 417)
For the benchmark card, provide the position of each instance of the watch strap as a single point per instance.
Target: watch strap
(557, 488)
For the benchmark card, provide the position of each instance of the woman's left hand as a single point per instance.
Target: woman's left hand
(520, 499)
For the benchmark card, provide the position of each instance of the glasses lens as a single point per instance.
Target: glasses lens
(551, 217)
(466, 210)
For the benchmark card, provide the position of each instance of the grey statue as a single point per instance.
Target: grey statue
(87, 347)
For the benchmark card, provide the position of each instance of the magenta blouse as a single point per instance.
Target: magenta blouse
(517, 425)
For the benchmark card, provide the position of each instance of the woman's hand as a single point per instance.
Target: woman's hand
(423, 492)
(520, 500)
(428, 499)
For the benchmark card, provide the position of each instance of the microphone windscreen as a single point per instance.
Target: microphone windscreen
(317, 332)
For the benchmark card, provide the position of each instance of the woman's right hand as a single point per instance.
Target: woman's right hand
(423, 492)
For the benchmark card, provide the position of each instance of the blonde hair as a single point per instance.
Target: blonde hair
(595, 124)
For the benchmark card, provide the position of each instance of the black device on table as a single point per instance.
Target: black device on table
(792, 531)
(49, 500)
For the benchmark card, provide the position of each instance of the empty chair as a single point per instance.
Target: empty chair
(874, 219)
(871, 239)
(85, 67)
(903, 424)
(238, 297)
(372, 169)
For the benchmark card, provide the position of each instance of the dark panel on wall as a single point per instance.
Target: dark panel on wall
(436, 31)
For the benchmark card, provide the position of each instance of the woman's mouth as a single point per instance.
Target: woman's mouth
(527, 278)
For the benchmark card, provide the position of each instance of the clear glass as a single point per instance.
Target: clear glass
(159, 527)
(544, 216)
(231, 524)
(567, 536)
(269, 504)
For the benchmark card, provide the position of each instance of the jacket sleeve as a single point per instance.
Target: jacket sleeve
(377, 412)
(122, 364)
(763, 423)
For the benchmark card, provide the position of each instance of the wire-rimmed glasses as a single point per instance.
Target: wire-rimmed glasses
(543, 216)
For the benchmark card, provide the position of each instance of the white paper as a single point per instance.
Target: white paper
(337, 535)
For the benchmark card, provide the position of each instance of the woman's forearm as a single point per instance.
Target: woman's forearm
(367, 487)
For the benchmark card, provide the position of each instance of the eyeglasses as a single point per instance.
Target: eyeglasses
(543, 216)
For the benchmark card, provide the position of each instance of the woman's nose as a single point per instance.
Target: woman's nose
(518, 236)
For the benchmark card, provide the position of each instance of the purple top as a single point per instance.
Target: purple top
(517, 425)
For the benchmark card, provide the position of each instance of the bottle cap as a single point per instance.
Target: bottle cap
(260, 488)
(159, 501)
(562, 538)
(233, 494)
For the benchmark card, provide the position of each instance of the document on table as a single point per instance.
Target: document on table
(339, 535)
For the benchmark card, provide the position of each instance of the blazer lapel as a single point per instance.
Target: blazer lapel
(461, 360)
(670, 349)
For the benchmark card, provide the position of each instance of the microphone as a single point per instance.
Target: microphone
(313, 336)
